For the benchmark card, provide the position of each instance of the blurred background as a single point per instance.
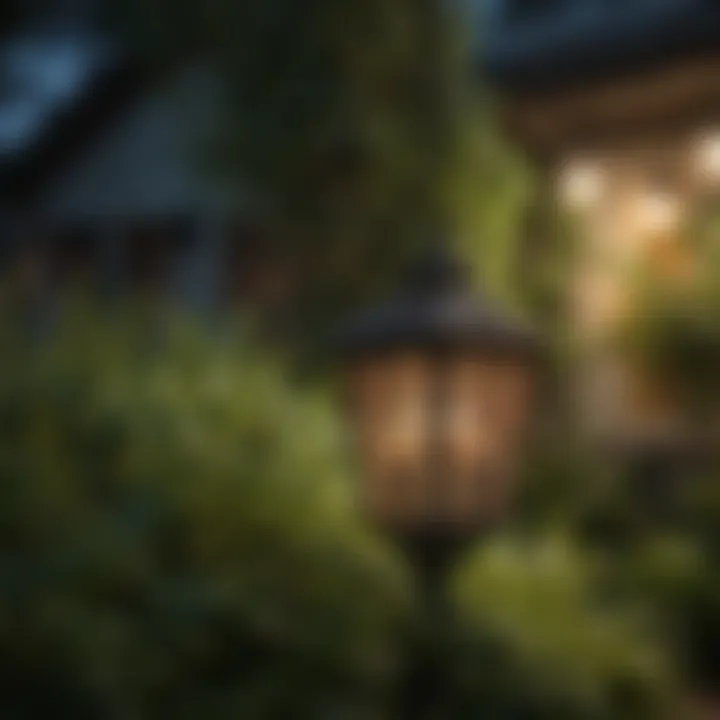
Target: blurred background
(195, 194)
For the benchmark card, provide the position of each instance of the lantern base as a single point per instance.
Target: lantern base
(432, 551)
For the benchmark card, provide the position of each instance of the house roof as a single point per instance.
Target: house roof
(44, 77)
(60, 89)
(577, 46)
(57, 91)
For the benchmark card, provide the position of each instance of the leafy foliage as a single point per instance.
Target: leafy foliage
(674, 330)
(177, 535)
(540, 621)
(179, 540)
(676, 334)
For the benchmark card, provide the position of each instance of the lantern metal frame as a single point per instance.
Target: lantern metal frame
(436, 312)
(437, 315)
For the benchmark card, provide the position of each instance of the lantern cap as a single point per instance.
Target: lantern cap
(437, 311)
(435, 272)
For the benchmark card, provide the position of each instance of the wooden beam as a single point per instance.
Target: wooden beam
(639, 107)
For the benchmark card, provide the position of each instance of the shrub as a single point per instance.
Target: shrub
(177, 534)
(545, 639)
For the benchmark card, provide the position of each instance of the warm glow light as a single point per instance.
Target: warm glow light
(600, 303)
(508, 398)
(707, 156)
(581, 185)
(437, 435)
(658, 212)
(466, 425)
(468, 438)
(390, 400)
(437, 394)
(400, 435)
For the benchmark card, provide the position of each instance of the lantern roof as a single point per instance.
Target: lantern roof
(437, 311)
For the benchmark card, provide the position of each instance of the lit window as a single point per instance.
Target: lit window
(581, 185)
(706, 156)
(659, 212)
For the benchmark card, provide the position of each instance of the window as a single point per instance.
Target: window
(247, 253)
(152, 250)
(258, 272)
(74, 256)
(26, 268)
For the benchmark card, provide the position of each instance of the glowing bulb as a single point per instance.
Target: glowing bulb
(582, 185)
(404, 434)
(707, 157)
(659, 212)
(468, 434)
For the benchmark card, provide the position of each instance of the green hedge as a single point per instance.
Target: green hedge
(178, 539)
(177, 534)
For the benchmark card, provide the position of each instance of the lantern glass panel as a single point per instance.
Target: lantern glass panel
(439, 437)
(390, 403)
(484, 408)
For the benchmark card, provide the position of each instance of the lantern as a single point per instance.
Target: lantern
(438, 387)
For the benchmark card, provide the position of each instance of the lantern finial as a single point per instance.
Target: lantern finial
(436, 272)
